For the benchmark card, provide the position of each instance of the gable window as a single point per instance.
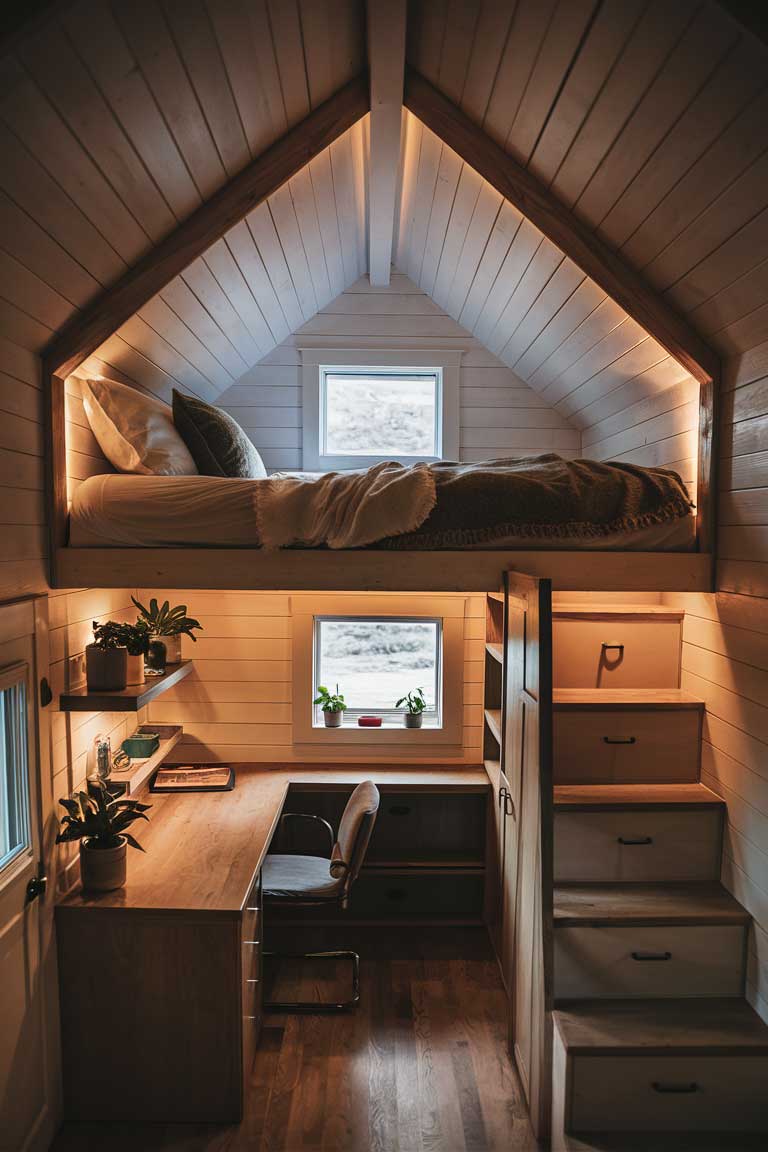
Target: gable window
(364, 406)
(377, 660)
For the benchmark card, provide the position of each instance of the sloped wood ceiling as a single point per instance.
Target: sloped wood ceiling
(118, 120)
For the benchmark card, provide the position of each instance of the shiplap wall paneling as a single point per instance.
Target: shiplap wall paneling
(236, 703)
(500, 415)
(22, 506)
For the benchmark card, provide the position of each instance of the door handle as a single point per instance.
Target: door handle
(651, 956)
(628, 740)
(628, 840)
(509, 807)
(36, 887)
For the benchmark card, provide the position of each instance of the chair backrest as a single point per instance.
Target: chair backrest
(355, 830)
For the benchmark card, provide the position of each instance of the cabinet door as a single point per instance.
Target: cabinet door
(528, 763)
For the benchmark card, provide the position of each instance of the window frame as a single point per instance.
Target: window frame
(397, 742)
(18, 674)
(392, 717)
(316, 362)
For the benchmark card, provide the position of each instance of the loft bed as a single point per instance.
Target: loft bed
(478, 569)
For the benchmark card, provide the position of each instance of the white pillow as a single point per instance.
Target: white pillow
(135, 431)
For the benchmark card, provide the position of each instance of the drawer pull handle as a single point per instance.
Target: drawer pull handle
(399, 810)
(675, 1089)
(651, 955)
(628, 740)
(638, 840)
(613, 648)
(252, 943)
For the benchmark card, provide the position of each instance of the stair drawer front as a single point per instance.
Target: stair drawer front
(615, 746)
(650, 657)
(675, 960)
(668, 1093)
(622, 847)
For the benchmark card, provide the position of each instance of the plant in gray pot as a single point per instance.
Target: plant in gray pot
(332, 704)
(414, 707)
(100, 824)
(106, 659)
(169, 625)
(135, 639)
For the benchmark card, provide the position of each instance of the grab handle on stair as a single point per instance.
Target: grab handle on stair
(677, 1089)
(613, 648)
(628, 740)
(651, 955)
(628, 840)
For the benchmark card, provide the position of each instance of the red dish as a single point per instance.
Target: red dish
(369, 721)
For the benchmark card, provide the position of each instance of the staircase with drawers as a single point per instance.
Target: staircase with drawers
(652, 1036)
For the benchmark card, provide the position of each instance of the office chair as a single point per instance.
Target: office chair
(295, 881)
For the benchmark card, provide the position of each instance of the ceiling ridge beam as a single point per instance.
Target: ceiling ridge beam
(230, 204)
(386, 64)
(609, 270)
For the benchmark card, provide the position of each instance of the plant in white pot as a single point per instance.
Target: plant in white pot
(169, 625)
(332, 704)
(415, 704)
(106, 659)
(100, 823)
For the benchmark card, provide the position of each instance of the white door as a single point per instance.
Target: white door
(28, 1045)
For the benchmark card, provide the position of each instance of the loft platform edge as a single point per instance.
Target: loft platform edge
(377, 571)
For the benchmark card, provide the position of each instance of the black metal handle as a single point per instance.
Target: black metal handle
(509, 807)
(635, 840)
(676, 1089)
(613, 648)
(399, 810)
(629, 740)
(651, 955)
(36, 887)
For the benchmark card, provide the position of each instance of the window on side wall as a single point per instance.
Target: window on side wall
(362, 408)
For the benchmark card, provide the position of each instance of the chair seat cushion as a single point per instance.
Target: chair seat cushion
(298, 877)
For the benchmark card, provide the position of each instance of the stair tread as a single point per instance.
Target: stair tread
(603, 905)
(611, 797)
(601, 611)
(720, 1026)
(623, 698)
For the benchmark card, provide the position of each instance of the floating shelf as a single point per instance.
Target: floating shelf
(141, 770)
(129, 699)
(493, 720)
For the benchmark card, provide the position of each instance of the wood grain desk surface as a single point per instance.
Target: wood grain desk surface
(203, 850)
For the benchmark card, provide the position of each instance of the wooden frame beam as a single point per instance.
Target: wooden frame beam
(516, 184)
(386, 64)
(227, 207)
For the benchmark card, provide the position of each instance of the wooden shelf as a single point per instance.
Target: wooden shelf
(141, 770)
(496, 651)
(493, 720)
(129, 699)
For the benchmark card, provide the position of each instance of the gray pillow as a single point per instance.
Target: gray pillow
(216, 442)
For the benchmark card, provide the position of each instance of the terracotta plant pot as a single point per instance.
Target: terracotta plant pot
(135, 669)
(333, 719)
(106, 669)
(172, 648)
(413, 719)
(102, 869)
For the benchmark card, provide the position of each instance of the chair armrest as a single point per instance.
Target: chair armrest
(317, 820)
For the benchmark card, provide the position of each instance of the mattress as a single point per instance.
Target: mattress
(117, 511)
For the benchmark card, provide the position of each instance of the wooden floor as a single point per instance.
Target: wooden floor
(420, 1067)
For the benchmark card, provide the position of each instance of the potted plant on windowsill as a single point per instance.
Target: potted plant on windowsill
(415, 704)
(332, 704)
(106, 658)
(169, 625)
(100, 824)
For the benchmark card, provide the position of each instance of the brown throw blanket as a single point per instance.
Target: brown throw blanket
(544, 497)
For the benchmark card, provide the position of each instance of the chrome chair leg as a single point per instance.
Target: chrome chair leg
(318, 1007)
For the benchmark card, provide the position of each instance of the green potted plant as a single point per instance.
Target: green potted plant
(135, 638)
(332, 704)
(100, 824)
(414, 704)
(106, 658)
(169, 625)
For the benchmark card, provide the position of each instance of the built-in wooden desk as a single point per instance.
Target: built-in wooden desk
(161, 980)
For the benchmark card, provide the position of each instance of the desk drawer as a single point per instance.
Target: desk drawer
(668, 1093)
(664, 960)
(637, 845)
(627, 746)
(615, 653)
(425, 895)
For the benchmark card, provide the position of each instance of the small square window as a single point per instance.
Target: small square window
(375, 661)
(388, 413)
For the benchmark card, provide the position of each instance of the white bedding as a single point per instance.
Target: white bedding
(116, 511)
